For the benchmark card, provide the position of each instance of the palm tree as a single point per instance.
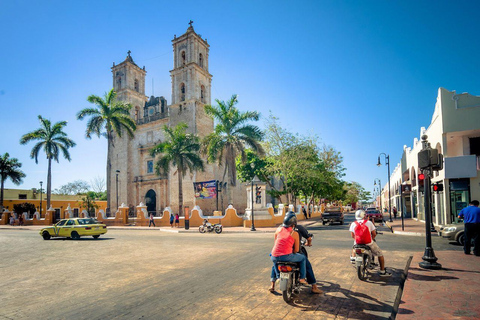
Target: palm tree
(9, 168)
(52, 139)
(231, 135)
(110, 118)
(181, 150)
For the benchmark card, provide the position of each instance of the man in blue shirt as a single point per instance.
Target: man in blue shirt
(471, 219)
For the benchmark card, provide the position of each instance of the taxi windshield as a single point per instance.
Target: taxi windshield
(87, 221)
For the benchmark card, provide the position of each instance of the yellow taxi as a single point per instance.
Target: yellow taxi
(74, 228)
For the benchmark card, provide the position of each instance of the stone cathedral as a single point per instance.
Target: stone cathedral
(132, 168)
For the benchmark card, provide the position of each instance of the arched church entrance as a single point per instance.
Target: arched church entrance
(151, 202)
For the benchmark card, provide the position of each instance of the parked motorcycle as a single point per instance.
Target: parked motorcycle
(290, 276)
(208, 227)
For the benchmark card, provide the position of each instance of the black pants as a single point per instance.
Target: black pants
(472, 231)
(151, 222)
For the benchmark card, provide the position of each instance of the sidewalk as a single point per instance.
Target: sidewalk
(175, 230)
(449, 293)
(411, 227)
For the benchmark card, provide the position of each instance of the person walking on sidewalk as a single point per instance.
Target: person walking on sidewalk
(395, 213)
(151, 221)
(304, 212)
(471, 219)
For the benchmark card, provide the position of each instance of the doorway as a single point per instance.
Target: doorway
(459, 197)
(151, 202)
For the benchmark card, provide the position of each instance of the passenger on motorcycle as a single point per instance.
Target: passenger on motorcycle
(376, 251)
(289, 223)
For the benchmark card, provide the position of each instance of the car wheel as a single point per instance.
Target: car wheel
(46, 235)
(461, 238)
(75, 235)
(96, 236)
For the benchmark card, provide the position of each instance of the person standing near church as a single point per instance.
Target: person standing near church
(151, 221)
(471, 219)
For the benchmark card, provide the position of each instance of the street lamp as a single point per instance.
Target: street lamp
(379, 185)
(41, 182)
(116, 184)
(387, 161)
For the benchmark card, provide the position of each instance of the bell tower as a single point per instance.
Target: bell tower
(191, 82)
(129, 84)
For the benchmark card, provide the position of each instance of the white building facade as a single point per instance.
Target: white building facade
(455, 132)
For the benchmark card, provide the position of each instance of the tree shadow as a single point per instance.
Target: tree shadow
(342, 303)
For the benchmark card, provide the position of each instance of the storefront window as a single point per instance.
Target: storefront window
(459, 197)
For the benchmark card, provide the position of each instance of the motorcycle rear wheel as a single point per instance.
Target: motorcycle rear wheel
(218, 229)
(362, 269)
(287, 293)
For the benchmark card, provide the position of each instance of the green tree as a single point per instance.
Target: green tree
(180, 150)
(355, 192)
(9, 169)
(88, 202)
(109, 118)
(232, 134)
(52, 139)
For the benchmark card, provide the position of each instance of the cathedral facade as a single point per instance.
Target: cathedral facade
(132, 173)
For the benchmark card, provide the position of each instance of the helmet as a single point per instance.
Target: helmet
(290, 220)
(359, 214)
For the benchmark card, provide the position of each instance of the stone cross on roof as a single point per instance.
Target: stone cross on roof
(190, 23)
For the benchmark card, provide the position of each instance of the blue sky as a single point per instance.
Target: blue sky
(362, 75)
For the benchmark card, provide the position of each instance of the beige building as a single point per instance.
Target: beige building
(132, 170)
(455, 132)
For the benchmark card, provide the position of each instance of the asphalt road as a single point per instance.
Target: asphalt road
(146, 274)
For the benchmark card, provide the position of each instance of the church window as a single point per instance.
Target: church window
(150, 166)
(200, 60)
(136, 85)
(202, 94)
(119, 82)
(182, 92)
(183, 57)
(137, 113)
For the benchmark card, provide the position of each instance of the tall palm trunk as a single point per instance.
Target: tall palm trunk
(1, 195)
(49, 182)
(180, 192)
(109, 174)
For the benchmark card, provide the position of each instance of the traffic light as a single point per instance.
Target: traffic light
(438, 187)
(421, 182)
(430, 158)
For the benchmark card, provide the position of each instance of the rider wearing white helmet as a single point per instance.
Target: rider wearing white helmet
(376, 251)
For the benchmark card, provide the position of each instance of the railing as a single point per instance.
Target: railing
(155, 117)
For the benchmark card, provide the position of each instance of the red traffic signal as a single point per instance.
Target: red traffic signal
(437, 187)
(421, 177)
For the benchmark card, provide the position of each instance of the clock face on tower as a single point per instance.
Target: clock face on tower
(151, 111)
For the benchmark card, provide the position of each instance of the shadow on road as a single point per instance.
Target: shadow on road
(81, 239)
(342, 302)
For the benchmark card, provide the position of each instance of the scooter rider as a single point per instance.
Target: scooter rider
(290, 221)
(376, 251)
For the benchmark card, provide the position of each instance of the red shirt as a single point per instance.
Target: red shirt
(283, 243)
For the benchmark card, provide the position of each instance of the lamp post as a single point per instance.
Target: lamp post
(41, 183)
(116, 184)
(379, 185)
(387, 161)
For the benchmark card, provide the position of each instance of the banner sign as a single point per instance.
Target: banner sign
(205, 189)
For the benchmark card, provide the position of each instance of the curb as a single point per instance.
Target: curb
(398, 298)
(408, 233)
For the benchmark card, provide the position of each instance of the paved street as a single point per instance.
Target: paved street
(148, 274)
